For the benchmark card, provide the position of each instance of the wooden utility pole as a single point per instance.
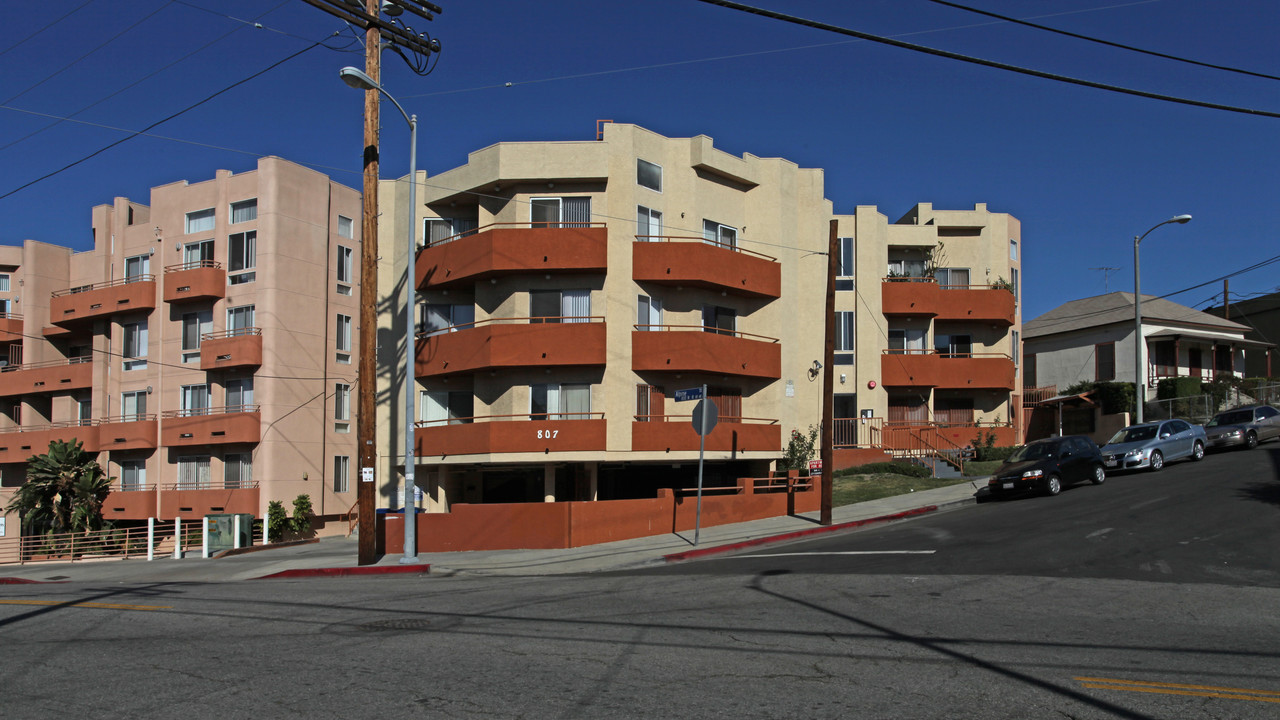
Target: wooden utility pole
(1226, 300)
(366, 423)
(828, 385)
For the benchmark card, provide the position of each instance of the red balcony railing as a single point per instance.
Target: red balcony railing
(524, 433)
(512, 343)
(211, 426)
(696, 262)
(241, 347)
(662, 433)
(101, 300)
(46, 377)
(953, 371)
(695, 348)
(194, 281)
(507, 248)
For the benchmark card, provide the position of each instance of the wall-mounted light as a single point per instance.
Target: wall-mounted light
(842, 378)
(148, 389)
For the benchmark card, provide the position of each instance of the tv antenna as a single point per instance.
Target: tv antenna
(1106, 275)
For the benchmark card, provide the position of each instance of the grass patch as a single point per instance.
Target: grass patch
(979, 468)
(850, 489)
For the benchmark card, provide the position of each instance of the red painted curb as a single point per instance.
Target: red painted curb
(704, 552)
(21, 581)
(348, 571)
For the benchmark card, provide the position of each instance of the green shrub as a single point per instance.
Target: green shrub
(1169, 388)
(893, 468)
(995, 454)
(800, 449)
(277, 521)
(975, 468)
(302, 512)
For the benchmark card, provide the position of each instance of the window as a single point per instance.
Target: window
(438, 317)
(135, 345)
(1013, 275)
(1013, 249)
(1105, 357)
(649, 175)
(244, 211)
(456, 407)
(721, 320)
(1017, 348)
(846, 267)
(4, 282)
(1029, 372)
(343, 333)
(84, 407)
(1165, 356)
(200, 221)
(237, 471)
(341, 401)
(344, 267)
(240, 395)
(137, 268)
(717, 234)
(438, 230)
(195, 400)
(846, 340)
(193, 472)
(908, 340)
(568, 306)
(650, 403)
(648, 224)
(197, 254)
(243, 258)
(560, 212)
(194, 325)
(346, 228)
(133, 405)
(845, 405)
(952, 345)
(952, 278)
(553, 401)
(133, 475)
(341, 473)
(240, 319)
(648, 313)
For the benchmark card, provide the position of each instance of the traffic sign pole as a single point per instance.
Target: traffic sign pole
(702, 448)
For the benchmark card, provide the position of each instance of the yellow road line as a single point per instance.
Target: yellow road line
(1226, 693)
(98, 606)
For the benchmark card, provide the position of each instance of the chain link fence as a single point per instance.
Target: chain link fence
(1200, 409)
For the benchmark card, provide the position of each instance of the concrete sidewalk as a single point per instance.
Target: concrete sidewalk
(337, 556)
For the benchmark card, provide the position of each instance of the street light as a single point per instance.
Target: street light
(1139, 374)
(361, 81)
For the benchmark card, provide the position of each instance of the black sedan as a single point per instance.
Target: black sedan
(1047, 465)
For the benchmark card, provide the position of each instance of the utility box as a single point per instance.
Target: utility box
(222, 531)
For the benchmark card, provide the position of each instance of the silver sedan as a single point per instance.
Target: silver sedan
(1244, 427)
(1150, 445)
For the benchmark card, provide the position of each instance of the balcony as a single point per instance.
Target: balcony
(512, 343)
(127, 432)
(989, 371)
(46, 377)
(693, 348)
(695, 262)
(511, 248)
(10, 328)
(192, 501)
(194, 281)
(923, 297)
(102, 300)
(211, 426)
(17, 444)
(666, 433)
(231, 349)
(566, 432)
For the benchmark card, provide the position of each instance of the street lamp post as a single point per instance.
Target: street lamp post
(1139, 374)
(357, 79)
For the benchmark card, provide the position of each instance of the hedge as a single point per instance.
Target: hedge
(893, 468)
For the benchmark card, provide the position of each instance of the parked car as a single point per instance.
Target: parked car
(1151, 445)
(1047, 465)
(1243, 427)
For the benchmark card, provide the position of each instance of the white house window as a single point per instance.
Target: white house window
(648, 224)
(954, 278)
(4, 282)
(721, 320)
(455, 407)
(560, 212)
(908, 340)
(341, 401)
(133, 405)
(240, 319)
(193, 472)
(554, 401)
(341, 473)
(133, 475)
(237, 471)
(346, 228)
(438, 317)
(438, 230)
(649, 175)
(200, 221)
(556, 306)
(846, 339)
(243, 257)
(194, 326)
(1013, 249)
(135, 345)
(244, 211)
(648, 313)
(195, 400)
(137, 268)
(343, 339)
(197, 254)
(345, 270)
(240, 395)
(718, 234)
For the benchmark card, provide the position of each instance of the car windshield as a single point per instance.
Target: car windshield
(1239, 417)
(1133, 434)
(1034, 451)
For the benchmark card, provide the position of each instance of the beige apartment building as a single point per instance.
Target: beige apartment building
(567, 290)
(204, 348)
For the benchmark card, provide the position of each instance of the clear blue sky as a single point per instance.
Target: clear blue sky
(1085, 170)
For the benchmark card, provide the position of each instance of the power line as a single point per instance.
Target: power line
(982, 61)
(1108, 43)
(32, 36)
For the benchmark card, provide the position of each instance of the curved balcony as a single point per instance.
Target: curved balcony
(231, 349)
(665, 433)
(192, 501)
(923, 297)
(989, 371)
(46, 377)
(695, 262)
(211, 426)
(694, 348)
(102, 300)
(563, 432)
(194, 281)
(10, 327)
(18, 444)
(128, 432)
(512, 248)
(511, 343)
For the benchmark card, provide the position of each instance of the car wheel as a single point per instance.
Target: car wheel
(1157, 460)
(1197, 451)
(1099, 475)
(1251, 440)
(1053, 485)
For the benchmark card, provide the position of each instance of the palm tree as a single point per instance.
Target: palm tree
(64, 491)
